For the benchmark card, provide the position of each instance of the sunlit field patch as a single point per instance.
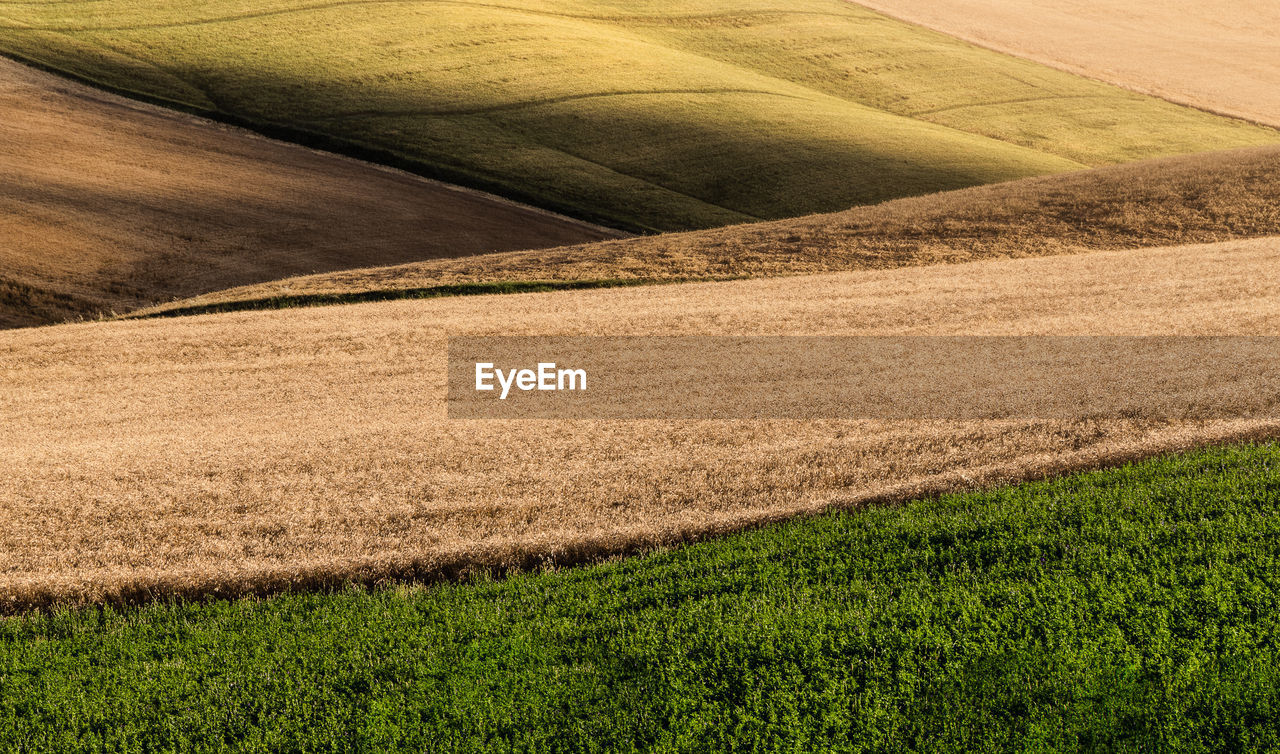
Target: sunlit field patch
(655, 115)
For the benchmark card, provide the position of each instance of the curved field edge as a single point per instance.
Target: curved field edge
(721, 122)
(327, 143)
(1130, 609)
(206, 450)
(504, 287)
(1172, 201)
(110, 205)
(1175, 51)
(588, 550)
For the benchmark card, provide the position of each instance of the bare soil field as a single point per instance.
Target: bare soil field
(1174, 201)
(1218, 55)
(108, 204)
(273, 450)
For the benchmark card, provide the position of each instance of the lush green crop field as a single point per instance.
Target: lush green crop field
(646, 114)
(1133, 609)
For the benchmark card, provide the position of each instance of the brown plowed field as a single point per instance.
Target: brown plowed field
(107, 205)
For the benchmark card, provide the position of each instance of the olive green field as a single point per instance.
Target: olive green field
(645, 116)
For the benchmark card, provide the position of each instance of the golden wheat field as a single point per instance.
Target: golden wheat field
(108, 204)
(1182, 200)
(264, 450)
(1219, 55)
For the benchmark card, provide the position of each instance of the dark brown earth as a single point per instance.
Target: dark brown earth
(108, 205)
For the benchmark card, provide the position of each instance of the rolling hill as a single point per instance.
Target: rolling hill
(1220, 55)
(874, 581)
(1121, 610)
(108, 204)
(1171, 201)
(654, 115)
(254, 451)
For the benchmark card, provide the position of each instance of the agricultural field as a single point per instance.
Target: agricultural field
(1125, 610)
(1155, 46)
(1206, 198)
(237, 452)
(108, 205)
(655, 115)
(241, 509)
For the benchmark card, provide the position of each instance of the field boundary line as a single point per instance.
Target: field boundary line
(447, 290)
(617, 18)
(463, 565)
(1075, 70)
(324, 144)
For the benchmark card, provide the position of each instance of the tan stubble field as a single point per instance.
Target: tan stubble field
(1217, 55)
(267, 450)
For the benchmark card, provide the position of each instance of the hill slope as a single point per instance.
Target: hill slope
(268, 449)
(1221, 55)
(662, 114)
(1126, 610)
(108, 204)
(1180, 200)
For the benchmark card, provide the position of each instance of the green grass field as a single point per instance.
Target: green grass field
(644, 114)
(1135, 609)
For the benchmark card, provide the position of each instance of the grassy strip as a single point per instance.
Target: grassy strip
(1131, 609)
(393, 294)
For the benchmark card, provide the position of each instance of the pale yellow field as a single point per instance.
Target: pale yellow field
(1219, 55)
(265, 450)
(108, 204)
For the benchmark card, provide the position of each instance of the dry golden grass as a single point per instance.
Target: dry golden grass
(108, 204)
(1184, 200)
(1218, 55)
(269, 450)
